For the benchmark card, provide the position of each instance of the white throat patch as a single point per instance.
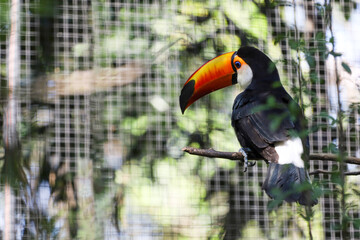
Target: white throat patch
(244, 76)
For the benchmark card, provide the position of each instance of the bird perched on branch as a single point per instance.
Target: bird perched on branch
(268, 123)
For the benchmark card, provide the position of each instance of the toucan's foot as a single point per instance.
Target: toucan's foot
(246, 162)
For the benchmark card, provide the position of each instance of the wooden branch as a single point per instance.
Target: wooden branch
(332, 172)
(238, 156)
(211, 153)
(334, 158)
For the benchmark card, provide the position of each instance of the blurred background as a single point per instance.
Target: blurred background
(91, 119)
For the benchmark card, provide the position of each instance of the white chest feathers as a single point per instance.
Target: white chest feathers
(244, 76)
(290, 151)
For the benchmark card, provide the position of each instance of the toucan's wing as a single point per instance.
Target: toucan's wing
(272, 124)
(249, 134)
(258, 127)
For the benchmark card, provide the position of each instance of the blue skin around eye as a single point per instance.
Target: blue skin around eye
(237, 64)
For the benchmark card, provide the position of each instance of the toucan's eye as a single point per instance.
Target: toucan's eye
(237, 64)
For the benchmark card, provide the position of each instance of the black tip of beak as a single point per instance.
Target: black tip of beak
(186, 94)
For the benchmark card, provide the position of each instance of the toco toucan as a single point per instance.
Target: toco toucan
(268, 123)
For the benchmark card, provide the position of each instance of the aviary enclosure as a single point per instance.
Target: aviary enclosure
(92, 136)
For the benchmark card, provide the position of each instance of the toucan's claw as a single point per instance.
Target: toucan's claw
(246, 162)
(251, 164)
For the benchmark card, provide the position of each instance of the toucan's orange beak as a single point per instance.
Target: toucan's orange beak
(217, 73)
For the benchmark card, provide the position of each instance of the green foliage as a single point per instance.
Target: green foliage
(4, 19)
(346, 67)
(251, 18)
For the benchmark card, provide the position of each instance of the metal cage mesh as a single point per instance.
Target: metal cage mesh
(102, 131)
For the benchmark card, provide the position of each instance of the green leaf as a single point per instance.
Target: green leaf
(276, 121)
(357, 192)
(293, 44)
(328, 116)
(356, 223)
(279, 38)
(346, 67)
(271, 68)
(275, 84)
(320, 36)
(311, 60)
(335, 54)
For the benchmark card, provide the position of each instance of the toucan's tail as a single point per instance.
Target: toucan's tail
(290, 183)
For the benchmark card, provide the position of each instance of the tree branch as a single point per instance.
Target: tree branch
(238, 156)
(211, 153)
(332, 172)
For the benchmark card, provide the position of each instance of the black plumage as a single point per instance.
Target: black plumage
(286, 181)
(264, 115)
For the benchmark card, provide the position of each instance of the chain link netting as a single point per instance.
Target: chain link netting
(101, 130)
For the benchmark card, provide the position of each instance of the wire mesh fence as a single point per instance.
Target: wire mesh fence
(101, 130)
